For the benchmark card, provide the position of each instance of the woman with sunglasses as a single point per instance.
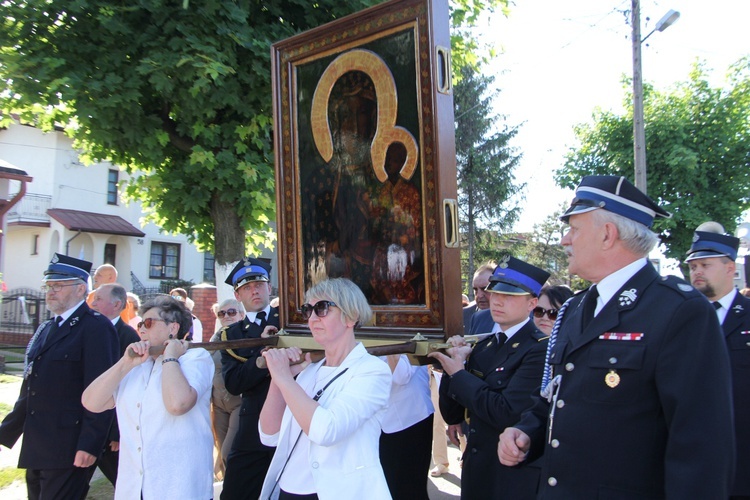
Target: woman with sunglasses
(162, 404)
(225, 407)
(551, 299)
(326, 423)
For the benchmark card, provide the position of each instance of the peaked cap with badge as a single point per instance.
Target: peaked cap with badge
(64, 268)
(615, 194)
(247, 270)
(709, 244)
(516, 277)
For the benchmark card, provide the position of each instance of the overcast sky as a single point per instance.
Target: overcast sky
(560, 60)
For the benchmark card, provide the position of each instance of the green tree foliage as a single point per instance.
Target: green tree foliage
(698, 151)
(543, 248)
(485, 162)
(178, 93)
(465, 49)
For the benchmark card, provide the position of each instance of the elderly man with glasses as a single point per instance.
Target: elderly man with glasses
(636, 399)
(248, 459)
(61, 440)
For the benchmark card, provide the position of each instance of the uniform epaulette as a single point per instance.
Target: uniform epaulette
(679, 285)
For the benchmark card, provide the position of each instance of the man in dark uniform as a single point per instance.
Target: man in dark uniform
(110, 300)
(711, 260)
(639, 404)
(495, 386)
(248, 459)
(481, 300)
(62, 440)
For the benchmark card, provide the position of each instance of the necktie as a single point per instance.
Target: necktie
(260, 318)
(717, 305)
(589, 305)
(501, 338)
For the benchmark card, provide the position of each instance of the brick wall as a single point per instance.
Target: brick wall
(204, 297)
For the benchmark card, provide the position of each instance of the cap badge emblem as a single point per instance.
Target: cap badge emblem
(504, 263)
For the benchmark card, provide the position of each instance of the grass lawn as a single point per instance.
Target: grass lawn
(10, 474)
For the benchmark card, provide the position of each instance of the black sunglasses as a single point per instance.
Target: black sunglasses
(320, 308)
(228, 312)
(539, 312)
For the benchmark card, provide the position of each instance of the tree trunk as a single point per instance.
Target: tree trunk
(229, 242)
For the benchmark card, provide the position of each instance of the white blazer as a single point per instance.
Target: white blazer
(344, 432)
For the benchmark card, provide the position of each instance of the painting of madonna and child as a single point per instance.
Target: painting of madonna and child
(361, 190)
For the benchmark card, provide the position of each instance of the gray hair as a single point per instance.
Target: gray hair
(136, 299)
(232, 303)
(171, 311)
(346, 295)
(117, 292)
(635, 236)
(487, 267)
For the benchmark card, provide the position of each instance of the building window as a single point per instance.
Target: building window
(209, 275)
(112, 179)
(110, 250)
(165, 261)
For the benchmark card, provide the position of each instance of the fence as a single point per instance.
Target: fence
(22, 311)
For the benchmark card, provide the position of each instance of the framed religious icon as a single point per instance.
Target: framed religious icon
(365, 166)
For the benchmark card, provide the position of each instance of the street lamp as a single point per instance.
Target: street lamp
(639, 131)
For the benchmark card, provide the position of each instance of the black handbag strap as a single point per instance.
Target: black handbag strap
(315, 398)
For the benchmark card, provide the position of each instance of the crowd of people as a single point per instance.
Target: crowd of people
(634, 387)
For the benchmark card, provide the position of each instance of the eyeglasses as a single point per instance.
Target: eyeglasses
(56, 287)
(228, 312)
(178, 297)
(320, 308)
(539, 312)
(149, 322)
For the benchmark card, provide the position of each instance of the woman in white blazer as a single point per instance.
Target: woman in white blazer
(326, 423)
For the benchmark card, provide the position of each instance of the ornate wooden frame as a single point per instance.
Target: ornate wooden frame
(405, 97)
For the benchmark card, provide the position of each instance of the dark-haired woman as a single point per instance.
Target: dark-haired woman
(551, 299)
(162, 404)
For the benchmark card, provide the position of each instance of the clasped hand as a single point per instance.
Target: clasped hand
(456, 355)
(286, 362)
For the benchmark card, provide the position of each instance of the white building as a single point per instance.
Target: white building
(76, 210)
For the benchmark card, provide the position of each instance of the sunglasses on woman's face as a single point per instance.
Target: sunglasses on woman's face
(539, 312)
(320, 308)
(228, 312)
(149, 322)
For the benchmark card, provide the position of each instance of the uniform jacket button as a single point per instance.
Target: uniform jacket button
(554, 443)
(569, 367)
(552, 481)
(560, 403)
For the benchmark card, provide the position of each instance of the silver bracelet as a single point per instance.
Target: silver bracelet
(167, 360)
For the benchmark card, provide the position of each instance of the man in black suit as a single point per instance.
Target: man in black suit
(711, 260)
(481, 299)
(638, 403)
(493, 387)
(110, 300)
(248, 459)
(62, 440)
